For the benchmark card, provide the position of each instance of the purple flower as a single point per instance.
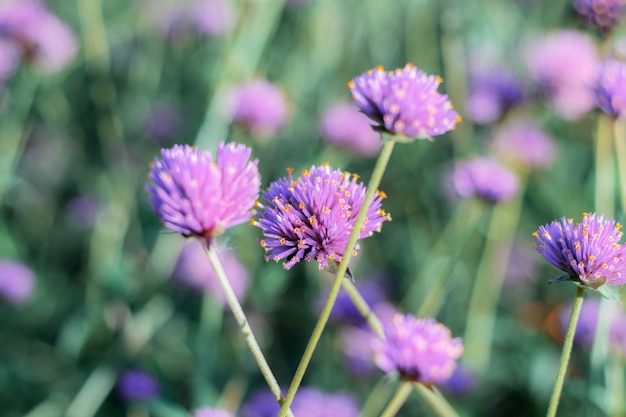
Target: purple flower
(420, 350)
(611, 88)
(564, 64)
(308, 402)
(483, 178)
(491, 94)
(10, 57)
(345, 126)
(136, 385)
(43, 38)
(311, 217)
(601, 14)
(81, 212)
(214, 17)
(404, 102)
(175, 18)
(461, 382)
(344, 309)
(587, 322)
(356, 345)
(16, 281)
(524, 143)
(194, 270)
(589, 252)
(162, 123)
(211, 412)
(259, 107)
(198, 197)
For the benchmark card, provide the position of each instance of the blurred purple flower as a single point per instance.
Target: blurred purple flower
(10, 57)
(137, 385)
(356, 345)
(81, 212)
(211, 412)
(404, 102)
(195, 196)
(587, 322)
(308, 402)
(311, 217)
(43, 38)
(524, 143)
(564, 64)
(461, 382)
(491, 94)
(194, 270)
(521, 266)
(589, 252)
(344, 309)
(618, 333)
(16, 281)
(483, 178)
(611, 88)
(421, 350)
(162, 123)
(601, 14)
(343, 125)
(259, 107)
(214, 17)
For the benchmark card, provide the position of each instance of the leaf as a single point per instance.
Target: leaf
(560, 279)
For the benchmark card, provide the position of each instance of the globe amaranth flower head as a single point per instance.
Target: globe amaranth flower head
(136, 385)
(197, 197)
(308, 402)
(421, 350)
(564, 65)
(601, 14)
(483, 178)
(312, 216)
(524, 143)
(589, 252)
(343, 125)
(404, 102)
(41, 37)
(611, 88)
(491, 93)
(16, 281)
(259, 106)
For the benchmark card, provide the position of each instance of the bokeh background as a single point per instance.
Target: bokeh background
(96, 292)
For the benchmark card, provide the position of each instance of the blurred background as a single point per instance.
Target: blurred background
(106, 313)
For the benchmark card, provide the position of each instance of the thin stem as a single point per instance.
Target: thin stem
(435, 401)
(565, 353)
(93, 393)
(363, 307)
(619, 132)
(379, 170)
(398, 399)
(244, 327)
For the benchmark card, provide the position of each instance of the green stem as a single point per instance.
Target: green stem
(93, 393)
(379, 170)
(619, 132)
(363, 307)
(435, 401)
(244, 327)
(605, 167)
(565, 353)
(398, 399)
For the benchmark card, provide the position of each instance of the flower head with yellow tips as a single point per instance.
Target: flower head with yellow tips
(589, 252)
(311, 217)
(421, 350)
(404, 102)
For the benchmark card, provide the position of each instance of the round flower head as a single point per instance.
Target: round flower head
(589, 252)
(260, 107)
(194, 270)
(211, 412)
(564, 64)
(312, 216)
(308, 402)
(16, 281)
(611, 88)
(601, 14)
(214, 17)
(198, 197)
(483, 178)
(404, 102)
(524, 143)
(345, 126)
(136, 385)
(491, 94)
(421, 350)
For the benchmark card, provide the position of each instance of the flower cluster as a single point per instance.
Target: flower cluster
(312, 216)
(404, 102)
(589, 252)
(483, 178)
(611, 88)
(601, 14)
(29, 31)
(420, 350)
(198, 197)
